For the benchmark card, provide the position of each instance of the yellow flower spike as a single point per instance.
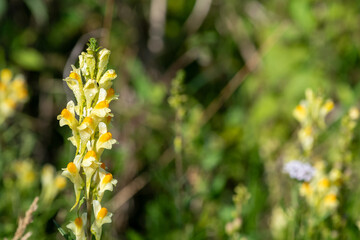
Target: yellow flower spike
(91, 84)
(6, 75)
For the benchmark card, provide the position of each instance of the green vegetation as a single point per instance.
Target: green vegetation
(215, 99)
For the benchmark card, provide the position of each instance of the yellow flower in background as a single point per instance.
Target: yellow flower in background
(311, 114)
(331, 201)
(52, 183)
(321, 192)
(323, 184)
(13, 92)
(300, 112)
(25, 173)
(306, 190)
(354, 113)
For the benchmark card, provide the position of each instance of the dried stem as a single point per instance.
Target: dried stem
(24, 222)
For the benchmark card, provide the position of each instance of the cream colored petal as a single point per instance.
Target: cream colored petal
(106, 80)
(71, 107)
(102, 128)
(103, 112)
(103, 56)
(107, 145)
(102, 95)
(73, 141)
(96, 231)
(96, 207)
(75, 86)
(90, 91)
(107, 219)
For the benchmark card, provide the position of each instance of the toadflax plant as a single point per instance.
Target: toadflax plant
(89, 119)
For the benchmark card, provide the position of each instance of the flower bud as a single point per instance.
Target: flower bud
(87, 65)
(103, 59)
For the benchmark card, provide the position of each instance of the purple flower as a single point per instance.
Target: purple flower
(299, 170)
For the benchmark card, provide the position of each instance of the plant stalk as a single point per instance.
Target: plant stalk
(88, 222)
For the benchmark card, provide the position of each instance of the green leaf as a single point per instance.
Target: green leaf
(3, 7)
(38, 10)
(28, 58)
(62, 231)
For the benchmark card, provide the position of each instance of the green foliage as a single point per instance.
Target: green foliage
(189, 131)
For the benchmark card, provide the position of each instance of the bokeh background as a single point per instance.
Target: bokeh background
(246, 65)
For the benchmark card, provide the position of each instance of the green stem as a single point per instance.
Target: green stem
(88, 222)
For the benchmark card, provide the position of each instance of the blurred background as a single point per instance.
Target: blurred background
(245, 66)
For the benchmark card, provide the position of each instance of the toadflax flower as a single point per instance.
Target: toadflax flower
(102, 216)
(89, 118)
(78, 227)
(72, 171)
(299, 170)
(107, 182)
